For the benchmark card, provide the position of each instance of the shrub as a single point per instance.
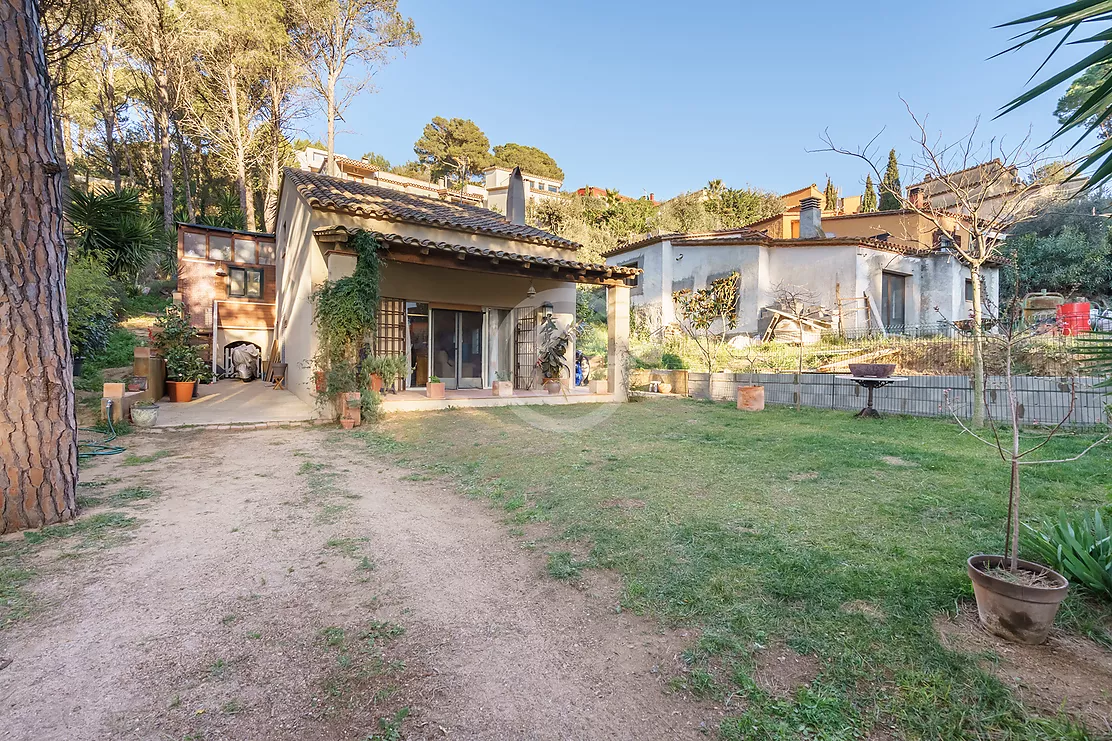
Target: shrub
(91, 304)
(116, 229)
(671, 361)
(1078, 546)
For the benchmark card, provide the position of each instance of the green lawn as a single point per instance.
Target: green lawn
(757, 528)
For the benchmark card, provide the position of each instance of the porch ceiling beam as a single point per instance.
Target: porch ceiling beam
(489, 265)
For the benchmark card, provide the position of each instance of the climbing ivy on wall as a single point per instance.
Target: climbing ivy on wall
(346, 310)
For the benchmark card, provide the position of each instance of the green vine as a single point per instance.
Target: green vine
(345, 312)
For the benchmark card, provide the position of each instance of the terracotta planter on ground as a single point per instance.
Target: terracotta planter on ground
(434, 390)
(502, 388)
(1016, 612)
(552, 386)
(351, 407)
(144, 416)
(376, 383)
(347, 423)
(751, 398)
(179, 391)
(664, 387)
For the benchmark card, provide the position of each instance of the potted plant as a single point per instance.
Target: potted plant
(434, 388)
(350, 413)
(502, 385)
(173, 341)
(1016, 599)
(144, 413)
(552, 359)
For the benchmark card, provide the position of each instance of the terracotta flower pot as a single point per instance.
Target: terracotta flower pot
(552, 386)
(347, 423)
(179, 391)
(502, 388)
(1016, 612)
(351, 407)
(664, 387)
(751, 398)
(376, 383)
(434, 390)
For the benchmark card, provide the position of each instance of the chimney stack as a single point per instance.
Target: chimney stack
(515, 198)
(810, 218)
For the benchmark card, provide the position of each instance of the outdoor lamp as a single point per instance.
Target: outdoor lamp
(546, 308)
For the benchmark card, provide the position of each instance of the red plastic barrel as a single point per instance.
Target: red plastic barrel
(1074, 318)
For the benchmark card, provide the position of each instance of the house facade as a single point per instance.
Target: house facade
(464, 291)
(537, 188)
(865, 282)
(228, 287)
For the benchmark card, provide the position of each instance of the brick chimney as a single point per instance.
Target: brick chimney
(810, 218)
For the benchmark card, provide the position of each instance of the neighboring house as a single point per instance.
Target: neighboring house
(226, 281)
(463, 288)
(596, 192)
(312, 159)
(904, 282)
(537, 188)
(990, 185)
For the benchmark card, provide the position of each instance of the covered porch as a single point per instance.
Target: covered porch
(412, 400)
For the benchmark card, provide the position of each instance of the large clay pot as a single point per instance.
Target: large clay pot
(1016, 612)
(376, 383)
(179, 391)
(664, 387)
(144, 416)
(751, 398)
(352, 407)
(434, 390)
(552, 386)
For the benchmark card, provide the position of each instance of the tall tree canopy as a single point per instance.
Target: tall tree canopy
(735, 207)
(453, 148)
(830, 196)
(377, 161)
(868, 198)
(330, 35)
(890, 189)
(529, 159)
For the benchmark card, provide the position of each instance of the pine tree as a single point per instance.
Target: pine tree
(868, 200)
(890, 189)
(831, 195)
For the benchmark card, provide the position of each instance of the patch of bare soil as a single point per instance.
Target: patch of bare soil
(287, 585)
(1066, 674)
(861, 607)
(780, 671)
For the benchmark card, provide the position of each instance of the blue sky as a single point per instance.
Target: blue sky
(661, 97)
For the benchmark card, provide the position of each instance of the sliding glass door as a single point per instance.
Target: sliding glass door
(457, 348)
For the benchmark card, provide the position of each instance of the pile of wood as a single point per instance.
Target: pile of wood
(796, 324)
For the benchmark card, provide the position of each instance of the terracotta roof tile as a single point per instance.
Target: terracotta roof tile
(362, 199)
(388, 239)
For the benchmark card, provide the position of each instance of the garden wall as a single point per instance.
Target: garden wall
(1042, 400)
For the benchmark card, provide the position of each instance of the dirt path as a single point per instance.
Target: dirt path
(263, 594)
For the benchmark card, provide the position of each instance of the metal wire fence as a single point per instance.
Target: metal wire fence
(1043, 401)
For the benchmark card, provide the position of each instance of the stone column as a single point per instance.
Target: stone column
(617, 342)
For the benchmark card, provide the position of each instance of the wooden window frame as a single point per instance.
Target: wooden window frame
(246, 282)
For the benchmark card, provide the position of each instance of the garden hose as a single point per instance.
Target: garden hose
(88, 450)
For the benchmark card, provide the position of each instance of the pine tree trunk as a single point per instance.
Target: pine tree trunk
(331, 111)
(38, 429)
(162, 124)
(187, 176)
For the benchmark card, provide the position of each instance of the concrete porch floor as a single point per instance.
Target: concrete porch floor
(233, 402)
(416, 401)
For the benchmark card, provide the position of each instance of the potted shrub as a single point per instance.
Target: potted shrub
(173, 341)
(144, 413)
(552, 359)
(350, 413)
(502, 385)
(434, 388)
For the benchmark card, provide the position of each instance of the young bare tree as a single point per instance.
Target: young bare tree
(707, 315)
(802, 307)
(38, 442)
(988, 188)
(330, 35)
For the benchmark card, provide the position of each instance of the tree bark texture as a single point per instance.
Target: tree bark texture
(978, 347)
(38, 429)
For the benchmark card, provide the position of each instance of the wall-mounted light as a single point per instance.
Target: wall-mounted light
(546, 309)
(679, 257)
(532, 291)
(221, 273)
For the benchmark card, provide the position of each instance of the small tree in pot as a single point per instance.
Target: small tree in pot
(173, 341)
(1017, 599)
